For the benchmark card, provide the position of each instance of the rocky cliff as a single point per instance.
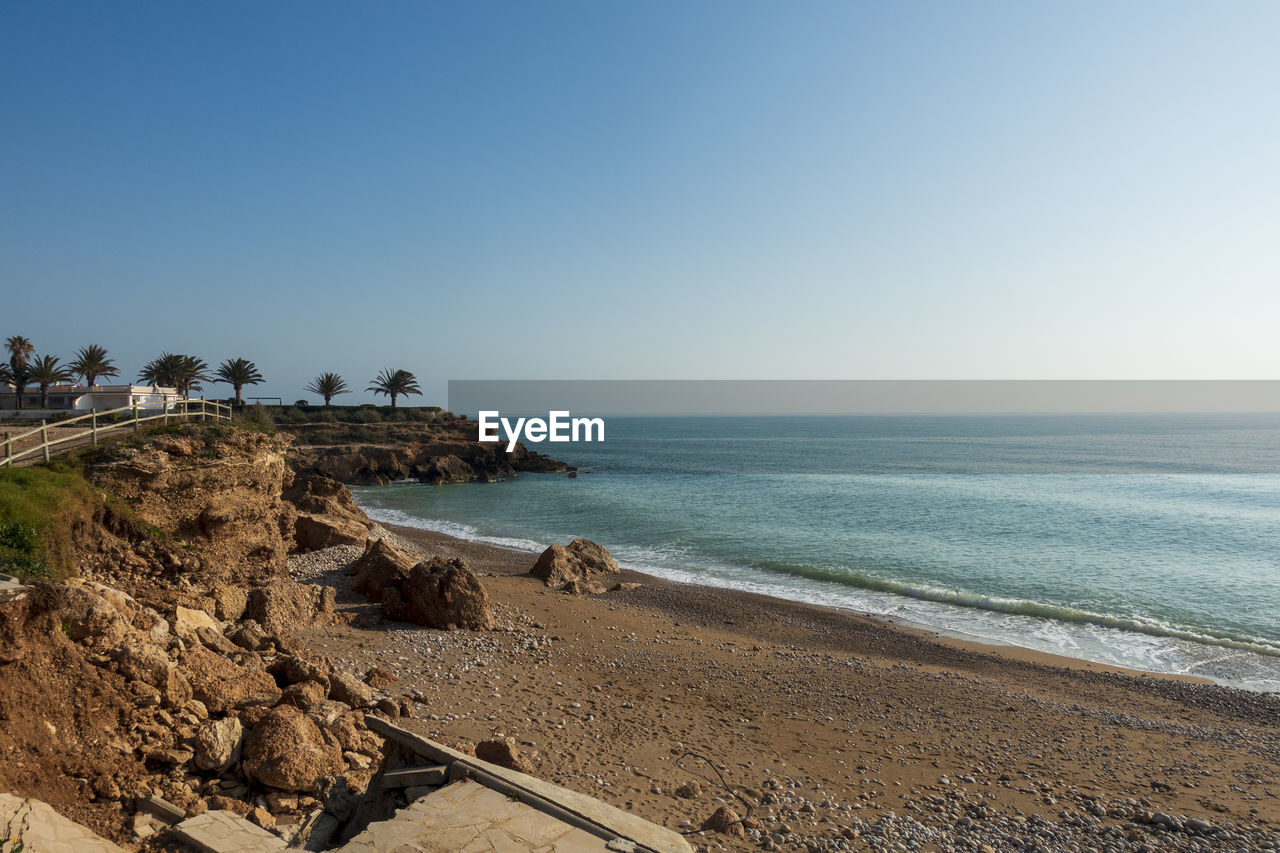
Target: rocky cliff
(164, 679)
(378, 454)
(216, 493)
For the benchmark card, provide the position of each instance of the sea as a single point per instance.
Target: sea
(1144, 541)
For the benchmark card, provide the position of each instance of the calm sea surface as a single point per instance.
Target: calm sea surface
(1148, 541)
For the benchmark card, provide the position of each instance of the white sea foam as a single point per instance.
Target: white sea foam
(449, 528)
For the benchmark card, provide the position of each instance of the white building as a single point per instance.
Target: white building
(80, 398)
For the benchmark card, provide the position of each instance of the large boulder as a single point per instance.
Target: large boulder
(218, 744)
(583, 561)
(446, 469)
(222, 685)
(150, 665)
(503, 752)
(382, 566)
(292, 670)
(284, 605)
(101, 616)
(443, 594)
(229, 602)
(303, 694)
(313, 532)
(314, 492)
(327, 514)
(346, 688)
(187, 621)
(90, 616)
(287, 750)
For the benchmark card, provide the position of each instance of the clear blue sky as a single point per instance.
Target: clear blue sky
(646, 189)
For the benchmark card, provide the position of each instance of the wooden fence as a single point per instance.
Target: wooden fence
(104, 423)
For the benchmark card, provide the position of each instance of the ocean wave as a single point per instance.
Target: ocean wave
(449, 528)
(659, 559)
(1026, 607)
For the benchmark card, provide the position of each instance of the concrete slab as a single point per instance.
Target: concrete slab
(43, 830)
(467, 817)
(222, 831)
(596, 818)
(412, 777)
(11, 589)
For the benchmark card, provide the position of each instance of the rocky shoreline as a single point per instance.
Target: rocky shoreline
(379, 454)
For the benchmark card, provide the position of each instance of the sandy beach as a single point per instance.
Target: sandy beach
(837, 730)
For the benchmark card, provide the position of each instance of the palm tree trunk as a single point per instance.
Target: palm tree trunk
(44, 396)
(393, 401)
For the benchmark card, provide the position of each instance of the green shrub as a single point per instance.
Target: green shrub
(19, 551)
(257, 415)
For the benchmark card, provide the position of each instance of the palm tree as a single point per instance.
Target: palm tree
(92, 362)
(20, 349)
(183, 372)
(328, 385)
(393, 383)
(238, 373)
(191, 373)
(161, 371)
(6, 374)
(46, 371)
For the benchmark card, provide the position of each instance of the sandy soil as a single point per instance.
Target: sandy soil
(842, 732)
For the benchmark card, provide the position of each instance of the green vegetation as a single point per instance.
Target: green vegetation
(260, 417)
(46, 371)
(39, 508)
(184, 372)
(328, 386)
(19, 546)
(395, 383)
(363, 414)
(238, 372)
(20, 351)
(187, 374)
(91, 362)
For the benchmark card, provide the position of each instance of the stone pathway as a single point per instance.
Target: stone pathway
(467, 817)
(226, 832)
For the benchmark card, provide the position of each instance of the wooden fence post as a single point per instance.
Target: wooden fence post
(136, 426)
(8, 450)
(94, 422)
(44, 438)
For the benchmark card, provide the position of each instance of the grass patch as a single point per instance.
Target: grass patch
(39, 507)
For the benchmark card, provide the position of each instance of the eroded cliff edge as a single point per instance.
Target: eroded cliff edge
(164, 668)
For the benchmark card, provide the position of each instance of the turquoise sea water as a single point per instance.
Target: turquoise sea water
(1147, 541)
